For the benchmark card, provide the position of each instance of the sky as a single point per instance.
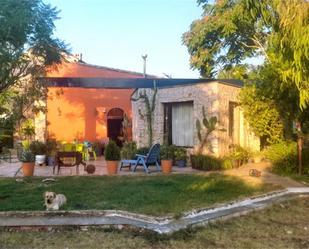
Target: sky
(116, 33)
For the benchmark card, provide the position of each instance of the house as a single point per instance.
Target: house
(179, 104)
(75, 113)
(87, 102)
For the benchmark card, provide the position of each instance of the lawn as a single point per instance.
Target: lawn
(283, 225)
(155, 195)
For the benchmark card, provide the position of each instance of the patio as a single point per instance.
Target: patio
(9, 170)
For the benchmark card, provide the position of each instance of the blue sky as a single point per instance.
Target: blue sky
(116, 33)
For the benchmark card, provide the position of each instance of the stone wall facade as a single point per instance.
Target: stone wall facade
(214, 96)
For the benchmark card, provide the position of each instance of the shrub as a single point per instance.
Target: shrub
(142, 150)
(180, 154)
(227, 164)
(51, 147)
(129, 150)
(38, 148)
(112, 151)
(167, 152)
(239, 153)
(284, 157)
(206, 162)
(27, 156)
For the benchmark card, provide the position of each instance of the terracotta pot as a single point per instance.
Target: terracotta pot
(28, 169)
(112, 167)
(166, 166)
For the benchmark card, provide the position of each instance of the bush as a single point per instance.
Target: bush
(206, 162)
(180, 154)
(227, 163)
(129, 150)
(167, 152)
(27, 156)
(142, 150)
(112, 151)
(51, 147)
(239, 153)
(38, 148)
(284, 157)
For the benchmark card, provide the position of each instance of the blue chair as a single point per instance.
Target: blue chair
(151, 158)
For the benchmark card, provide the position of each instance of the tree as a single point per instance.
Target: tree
(27, 43)
(233, 30)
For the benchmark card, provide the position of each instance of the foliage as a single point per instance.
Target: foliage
(180, 154)
(27, 43)
(149, 102)
(112, 151)
(129, 150)
(261, 113)
(167, 152)
(284, 157)
(239, 72)
(231, 31)
(227, 163)
(27, 129)
(38, 148)
(27, 156)
(240, 154)
(209, 125)
(125, 126)
(206, 162)
(143, 150)
(51, 147)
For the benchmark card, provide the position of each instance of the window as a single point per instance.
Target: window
(178, 125)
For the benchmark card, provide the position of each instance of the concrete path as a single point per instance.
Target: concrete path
(161, 225)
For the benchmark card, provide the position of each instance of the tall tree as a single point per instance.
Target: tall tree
(233, 30)
(27, 43)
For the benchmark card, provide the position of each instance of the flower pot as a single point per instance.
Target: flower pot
(180, 163)
(40, 159)
(112, 167)
(51, 161)
(28, 168)
(166, 166)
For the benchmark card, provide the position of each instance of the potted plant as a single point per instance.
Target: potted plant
(129, 150)
(167, 156)
(112, 157)
(180, 157)
(98, 148)
(27, 158)
(51, 149)
(39, 150)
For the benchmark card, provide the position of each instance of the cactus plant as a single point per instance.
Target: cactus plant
(204, 130)
(149, 102)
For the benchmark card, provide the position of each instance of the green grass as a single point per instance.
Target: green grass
(302, 178)
(156, 195)
(283, 225)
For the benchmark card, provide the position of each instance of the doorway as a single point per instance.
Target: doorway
(114, 125)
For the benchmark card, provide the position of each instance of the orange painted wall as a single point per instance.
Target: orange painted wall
(78, 113)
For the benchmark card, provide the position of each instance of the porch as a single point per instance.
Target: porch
(9, 170)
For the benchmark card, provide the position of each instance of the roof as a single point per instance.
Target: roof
(69, 69)
(129, 83)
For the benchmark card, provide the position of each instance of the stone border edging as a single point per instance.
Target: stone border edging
(161, 225)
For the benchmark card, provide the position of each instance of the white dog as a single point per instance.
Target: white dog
(54, 201)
